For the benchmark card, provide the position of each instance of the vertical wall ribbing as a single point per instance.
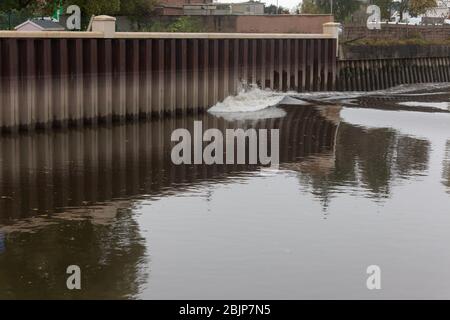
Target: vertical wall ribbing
(47, 82)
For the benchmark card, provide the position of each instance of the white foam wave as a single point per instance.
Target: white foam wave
(251, 100)
(248, 99)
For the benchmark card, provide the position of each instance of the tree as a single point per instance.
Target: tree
(414, 7)
(417, 7)
(185, 24)
(21, 5)
(138, 11)
(309, 7)
(342, 9)
(27, 7)
(8, 5)
(385, 7)
(137, 7)
(89, 8)
(273, 9)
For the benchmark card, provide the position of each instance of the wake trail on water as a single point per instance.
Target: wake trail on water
(252, 102)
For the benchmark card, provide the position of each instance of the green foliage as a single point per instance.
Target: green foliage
(132, 8)
(38, 7)
(309, 7)
(385, 7)
(9, 5)
(97, 7)
(137, 8)
(342, 9)
(14, 12)
(12, 18)
(414, 7)
(417, 7)
(181, 24)
(154, 26)
(185, 24)
(273, 9)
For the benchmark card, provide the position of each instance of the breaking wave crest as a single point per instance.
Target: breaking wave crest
(249, 99)
(252, 102)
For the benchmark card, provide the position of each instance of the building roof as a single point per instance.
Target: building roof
(43, 24)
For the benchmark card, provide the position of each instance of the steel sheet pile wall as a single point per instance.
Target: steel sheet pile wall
(376, 74)
(57, 82)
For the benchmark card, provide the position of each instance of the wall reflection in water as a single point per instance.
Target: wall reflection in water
(446, 170)
(70, 197)
(48, 173)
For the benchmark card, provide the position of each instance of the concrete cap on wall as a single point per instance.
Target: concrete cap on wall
(104, 18)
(333, 29)
(104, 24)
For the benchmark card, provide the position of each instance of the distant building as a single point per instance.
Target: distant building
(39, 25)
(436, 15)
(175, 7)
(207, 9)
(242, 8)
(249, 7)
(441, 11)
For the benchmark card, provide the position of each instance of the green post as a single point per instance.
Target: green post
(57, 10)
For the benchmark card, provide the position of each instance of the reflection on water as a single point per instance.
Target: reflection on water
(446, 170)
(50, 173)
(347, 195)
(371, 159)
(112, 257)
(69, 197)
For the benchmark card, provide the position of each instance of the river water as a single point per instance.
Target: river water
(364, 179)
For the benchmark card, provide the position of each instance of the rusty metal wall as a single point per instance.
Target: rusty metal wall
(377, 74)
(57, 82)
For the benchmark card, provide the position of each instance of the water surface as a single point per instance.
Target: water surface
(363, 180)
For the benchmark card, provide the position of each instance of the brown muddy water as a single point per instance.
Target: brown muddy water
(363, 180)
